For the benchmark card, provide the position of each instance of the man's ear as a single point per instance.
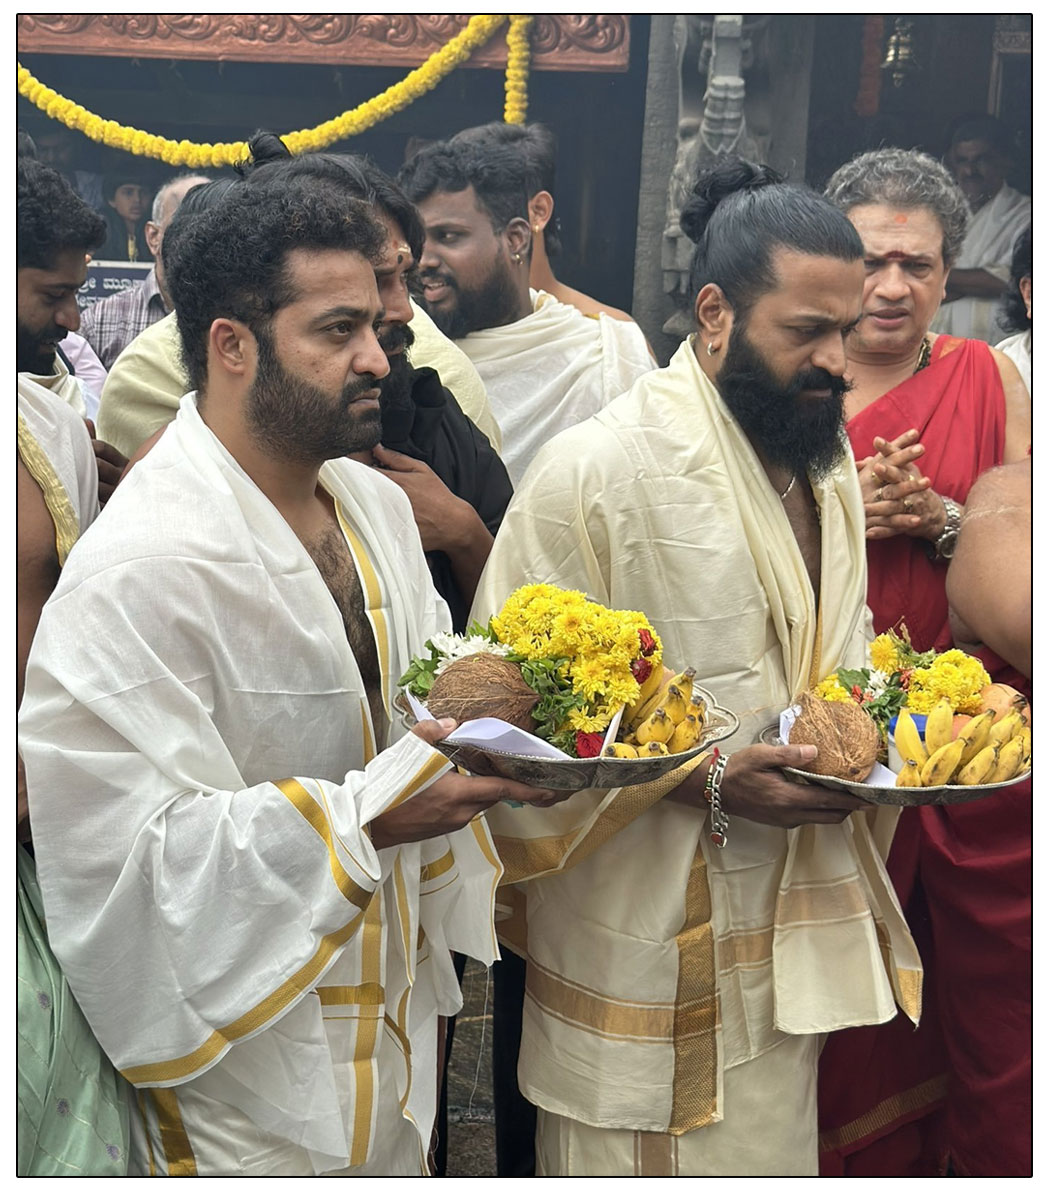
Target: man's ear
(713, 317)
(540, 211)
(232, 348)
(153, 237)
(518, 239)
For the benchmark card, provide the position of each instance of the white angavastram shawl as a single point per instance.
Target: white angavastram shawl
(202, 767)
(989, 245)
(55, 447)
(61, 384)
(656, 960)
(552, 369)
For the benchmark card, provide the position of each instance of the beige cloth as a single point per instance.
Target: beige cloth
(989, 245)
(62, 385)
(54, 445)
(432, 349)
(202, 767)
(784, 1142)
(657, 962)
(147, 382)
(552, 369)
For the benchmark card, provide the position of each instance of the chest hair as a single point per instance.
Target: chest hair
(335, 564)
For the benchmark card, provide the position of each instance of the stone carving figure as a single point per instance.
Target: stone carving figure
(712, 124)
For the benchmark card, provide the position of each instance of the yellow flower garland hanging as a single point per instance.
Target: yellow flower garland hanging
(518, 40)
(478, 31)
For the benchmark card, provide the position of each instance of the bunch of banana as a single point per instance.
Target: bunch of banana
(664, 718)
(986, 750)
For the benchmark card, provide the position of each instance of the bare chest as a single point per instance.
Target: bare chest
(802, 511)
(330, 553)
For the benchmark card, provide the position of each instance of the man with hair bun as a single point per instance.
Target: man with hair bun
(680, 974)
(927, 416)
(253, 876)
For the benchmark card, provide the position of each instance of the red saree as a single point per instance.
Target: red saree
(957, 404)
(957, 1091)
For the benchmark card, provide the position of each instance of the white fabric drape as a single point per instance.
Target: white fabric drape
(989, 245)
(202, 767)
(552, 369)
(660, 504)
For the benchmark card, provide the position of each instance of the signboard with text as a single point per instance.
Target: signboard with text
(105, 278)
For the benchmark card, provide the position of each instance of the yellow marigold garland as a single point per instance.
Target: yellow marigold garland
(477, 32)
(517, 64)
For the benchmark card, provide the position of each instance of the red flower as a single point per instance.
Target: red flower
(641, 669)
(857, 693)
(588, 745)
(647, 643)
(906, 675)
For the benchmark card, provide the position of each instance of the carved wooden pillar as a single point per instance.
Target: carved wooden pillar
(738, 84)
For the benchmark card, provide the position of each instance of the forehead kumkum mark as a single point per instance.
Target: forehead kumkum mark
(901, 219)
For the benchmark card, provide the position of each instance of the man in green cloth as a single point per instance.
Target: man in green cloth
(72, 1107)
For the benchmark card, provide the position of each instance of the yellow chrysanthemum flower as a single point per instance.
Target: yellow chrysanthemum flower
(954, 676)
(883, 654)
(831, 688)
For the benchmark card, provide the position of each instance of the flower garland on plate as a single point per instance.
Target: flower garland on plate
(417, 83)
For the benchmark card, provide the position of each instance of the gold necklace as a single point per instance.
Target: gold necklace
(924, 357)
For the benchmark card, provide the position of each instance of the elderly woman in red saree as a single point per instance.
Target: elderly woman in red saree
(927, 415)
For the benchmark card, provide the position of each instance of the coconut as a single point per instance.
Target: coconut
(847, 738)
(483, 685)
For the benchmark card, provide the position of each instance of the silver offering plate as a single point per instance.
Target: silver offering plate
(576, 774)
(904, 797)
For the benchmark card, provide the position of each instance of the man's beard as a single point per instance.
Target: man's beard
(491, 304)
(396, 340)
(804, 436)
(30, 354)
(300, 423)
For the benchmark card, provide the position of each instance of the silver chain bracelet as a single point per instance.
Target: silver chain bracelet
(718, 821)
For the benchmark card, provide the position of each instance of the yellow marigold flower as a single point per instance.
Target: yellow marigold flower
(883, 654)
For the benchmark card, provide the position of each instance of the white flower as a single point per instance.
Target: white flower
(452, 647)
(878, 682)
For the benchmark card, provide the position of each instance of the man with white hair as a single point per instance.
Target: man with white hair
(112, 323)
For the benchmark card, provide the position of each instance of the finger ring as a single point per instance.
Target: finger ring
(878, 495)
(907, 504)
